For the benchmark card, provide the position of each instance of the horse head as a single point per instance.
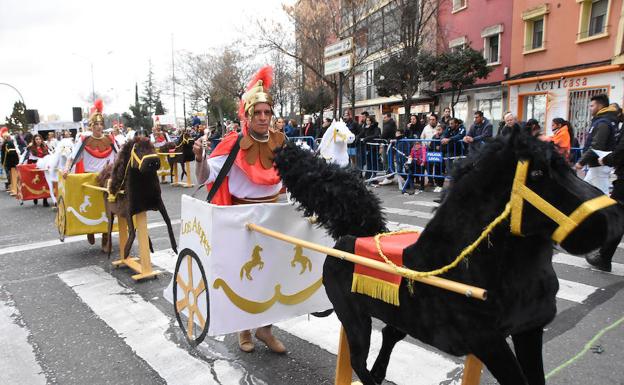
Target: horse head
(142, 156)
(544, 197)
(333, 147)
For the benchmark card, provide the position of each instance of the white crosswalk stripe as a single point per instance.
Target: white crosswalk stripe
(18, 364)
(144, 328)
(434, 368)
(567, 259)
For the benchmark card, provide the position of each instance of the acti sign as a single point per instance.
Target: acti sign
(549, 85)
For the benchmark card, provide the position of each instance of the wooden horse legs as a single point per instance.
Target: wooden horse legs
(472, 365)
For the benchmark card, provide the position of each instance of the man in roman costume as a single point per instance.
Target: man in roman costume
(251, 177)
(92, 152)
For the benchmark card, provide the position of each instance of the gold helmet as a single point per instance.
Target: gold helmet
(96, 113)
(257, 92)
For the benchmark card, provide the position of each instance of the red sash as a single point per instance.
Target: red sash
(378, 284)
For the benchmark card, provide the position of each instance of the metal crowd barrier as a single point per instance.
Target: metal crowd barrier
(383, 157)
(309, 140)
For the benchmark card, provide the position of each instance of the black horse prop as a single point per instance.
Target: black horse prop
(135, 172)
(516, 270)
(183, 150)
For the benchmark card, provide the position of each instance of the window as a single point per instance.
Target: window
(375, 33)
(578, 113)
(598, 17)
(459, 43)
(458, 5)
(593, 19)
(538, 34)
(534, 28)
(491, 43)
(492, 109)
(491, 49)
(534, 107)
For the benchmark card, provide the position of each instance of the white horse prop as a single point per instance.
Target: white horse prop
(333, 147)
(53, 163)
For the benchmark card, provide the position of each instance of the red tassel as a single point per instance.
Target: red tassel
(99, 105)
(265, 74)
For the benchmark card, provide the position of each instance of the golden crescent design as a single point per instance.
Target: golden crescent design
(255, 307)
(35, 192)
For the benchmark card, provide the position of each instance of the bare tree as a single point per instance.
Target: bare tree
(402, 73)
(284, 82)
(303, 39)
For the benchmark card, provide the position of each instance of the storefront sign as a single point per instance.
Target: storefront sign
(549, 85)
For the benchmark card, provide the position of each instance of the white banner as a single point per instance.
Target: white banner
(252, 280)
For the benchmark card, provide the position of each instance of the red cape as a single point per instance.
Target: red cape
(256, 173)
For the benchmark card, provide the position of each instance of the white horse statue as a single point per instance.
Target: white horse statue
(55, 162)
(333, 147)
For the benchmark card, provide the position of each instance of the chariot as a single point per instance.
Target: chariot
(81, 207)
(31, 183)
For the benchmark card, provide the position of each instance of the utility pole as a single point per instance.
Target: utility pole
(92, 85)
(184, 107)
(175, 115)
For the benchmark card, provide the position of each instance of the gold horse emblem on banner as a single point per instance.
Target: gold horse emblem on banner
(255, 261)
(301, 259)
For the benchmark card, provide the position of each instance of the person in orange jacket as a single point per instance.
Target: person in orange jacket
(562, 137)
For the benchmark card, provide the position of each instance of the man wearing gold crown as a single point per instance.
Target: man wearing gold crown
(93, 151)
(248, 175)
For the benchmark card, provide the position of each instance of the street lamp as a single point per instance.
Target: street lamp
(16, 90)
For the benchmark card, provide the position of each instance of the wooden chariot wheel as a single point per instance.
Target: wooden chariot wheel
(190, 293)
(61, 219)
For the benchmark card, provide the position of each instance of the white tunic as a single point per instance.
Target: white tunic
(91, 163)
(238, 183)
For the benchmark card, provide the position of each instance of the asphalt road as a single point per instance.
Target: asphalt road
(68, 317)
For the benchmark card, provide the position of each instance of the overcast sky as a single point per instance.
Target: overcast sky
(47, 46)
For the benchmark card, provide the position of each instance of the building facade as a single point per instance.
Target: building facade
(376, 36)
(486, 26)
(568, 52)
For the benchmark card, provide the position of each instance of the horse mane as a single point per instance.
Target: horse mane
(524, 146)
(118, 172)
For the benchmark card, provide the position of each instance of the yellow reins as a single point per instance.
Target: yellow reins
(519, 193)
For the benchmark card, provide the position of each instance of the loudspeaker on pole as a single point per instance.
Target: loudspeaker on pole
(32, 116)
(77, 113)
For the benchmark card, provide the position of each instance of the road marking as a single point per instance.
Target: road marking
(18, 364)
(422, 203)
(567, 259)
(72, 239)
(408, 213)
(574, 291)
(433, 368)
(395, 226)
(143, 327)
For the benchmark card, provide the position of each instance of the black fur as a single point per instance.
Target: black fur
(336, 195)
(516, 271)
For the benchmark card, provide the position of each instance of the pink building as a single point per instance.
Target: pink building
(484, 25)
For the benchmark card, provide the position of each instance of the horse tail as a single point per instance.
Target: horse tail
(337, 196)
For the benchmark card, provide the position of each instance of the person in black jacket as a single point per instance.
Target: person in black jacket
(354, 127)
(368, 133)
(9, 155)
(602, 258)
(601, 137)
(388, 134)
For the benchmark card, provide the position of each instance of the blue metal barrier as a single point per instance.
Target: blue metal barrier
(309, 140)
